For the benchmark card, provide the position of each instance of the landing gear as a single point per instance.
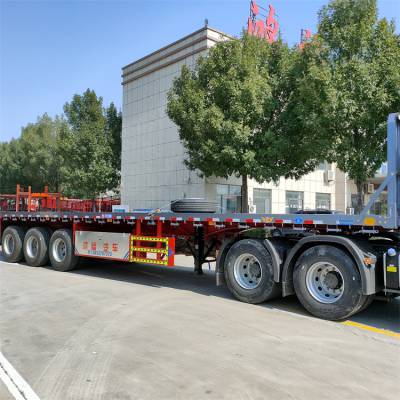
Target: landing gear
(200, 252)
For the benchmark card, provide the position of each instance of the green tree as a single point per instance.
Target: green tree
(11, 171)
(114, 131)
(364, 57)
(39, 159)
(88, 165)
(252, 109)
(32, 159)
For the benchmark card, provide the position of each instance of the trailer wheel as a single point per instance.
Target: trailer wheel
(62, 255)
(249, 272)
(36, 247)
(12, 243)
(327, 283)
(368, 301)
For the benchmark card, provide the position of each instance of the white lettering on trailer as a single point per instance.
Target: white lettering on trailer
(102, 245)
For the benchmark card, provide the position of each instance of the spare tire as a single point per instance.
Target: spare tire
(194, 206)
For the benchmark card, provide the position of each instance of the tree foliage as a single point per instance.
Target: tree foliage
(113, 131)
(252, 109)
(77, 153)
(86, 148)
(33, 158)
(364, 57)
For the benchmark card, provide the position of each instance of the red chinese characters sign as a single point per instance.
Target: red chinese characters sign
(305, 37)
(256, 26)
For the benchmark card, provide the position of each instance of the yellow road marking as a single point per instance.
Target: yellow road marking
(372, 329)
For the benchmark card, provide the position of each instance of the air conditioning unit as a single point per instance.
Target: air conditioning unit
(370, 188)
(329, 176)
(252, 209)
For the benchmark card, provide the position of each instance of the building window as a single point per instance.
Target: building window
(354, 201)
(229, 198)
(324, 166)
(294, 201)
(262, 200)
(323, 201)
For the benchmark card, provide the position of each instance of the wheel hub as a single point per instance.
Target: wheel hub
(325, 282)
(32, 247)
(9, 244)
(59, 250)
(247, 271)
(332, 280)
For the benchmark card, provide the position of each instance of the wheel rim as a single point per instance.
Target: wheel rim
(59, 250)
(9, 244)
(247, 271)
(325, 282)
(32, 247)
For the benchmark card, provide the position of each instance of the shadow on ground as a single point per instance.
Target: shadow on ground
(380, 314)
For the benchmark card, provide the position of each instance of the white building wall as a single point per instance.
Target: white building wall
(153, 173)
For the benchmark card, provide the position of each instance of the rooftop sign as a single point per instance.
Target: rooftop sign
(256, 25)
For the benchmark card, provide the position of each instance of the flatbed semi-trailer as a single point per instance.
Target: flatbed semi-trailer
(334, 263)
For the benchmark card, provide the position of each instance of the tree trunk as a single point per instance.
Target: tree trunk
(245, 195)
(360, 197)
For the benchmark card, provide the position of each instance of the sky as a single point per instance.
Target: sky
(51, 50)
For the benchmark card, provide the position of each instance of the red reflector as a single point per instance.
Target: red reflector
(279, 221)
(309, 222)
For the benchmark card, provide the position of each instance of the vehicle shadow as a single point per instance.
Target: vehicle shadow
(381, 314)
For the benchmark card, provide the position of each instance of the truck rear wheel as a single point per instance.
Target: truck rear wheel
(249, 272)
(61, 251)
(327, 283)
(12, 243)
(36, 247)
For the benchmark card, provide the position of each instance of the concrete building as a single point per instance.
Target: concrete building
(153, 173)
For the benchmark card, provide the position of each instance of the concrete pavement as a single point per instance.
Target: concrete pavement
(123, 332)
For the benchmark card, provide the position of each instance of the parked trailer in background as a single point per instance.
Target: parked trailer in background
(334, 263)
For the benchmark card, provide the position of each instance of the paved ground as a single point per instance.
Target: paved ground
(140, 332)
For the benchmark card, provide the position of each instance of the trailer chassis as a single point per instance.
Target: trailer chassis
(334, 263)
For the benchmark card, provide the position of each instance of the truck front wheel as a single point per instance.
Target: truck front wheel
(327, 283)
(12, 242)
(249, 272)
(61, 251)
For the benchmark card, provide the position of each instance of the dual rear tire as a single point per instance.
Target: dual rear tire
(326, 279)
(39, 245)
(328, 284)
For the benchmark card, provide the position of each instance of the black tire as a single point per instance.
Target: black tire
(12, 244)
(193, 206)
(61, 251)
(36, 247)
(368, 301)
(351, 299)
(267, 288)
